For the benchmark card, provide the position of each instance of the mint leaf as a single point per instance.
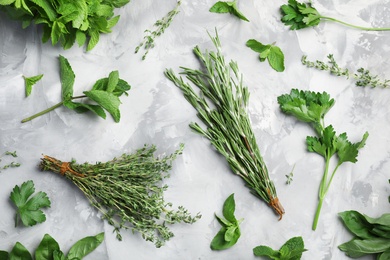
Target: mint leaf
(113, 80)
(28, 209)
(67, 78)
(107, 100)
(228, 7)
(276, 58)
(30, 82)
(266, 251)
(291, 250)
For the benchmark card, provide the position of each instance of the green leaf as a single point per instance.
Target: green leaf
(82, 108)
(85, 246)
(28, 209)
(228, 209)
(93, 40)
(293, 248)
(266, 251)
(58, 31)
(346, 151)
(257, 46)
(120, 89)
(358, 248)
(46, 248)
(19, 252)
(299, 15)
(219, 242)
(230, 233)
(228, 7)
(356, 223)
(276, 58)
(6, 2)
(384, 256)
(30, 82)
(107, 100)
(383, 220)
(47, 8)
(58, 255)
(80, 38)
(67, 78)
(4, 255)
(113, 80)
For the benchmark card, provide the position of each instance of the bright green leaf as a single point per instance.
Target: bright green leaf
(85, 246)
(228, 209)
(228, 7)
(107, 100)
(276, 58)
(67, 78)
(30, 82)
(113, 80)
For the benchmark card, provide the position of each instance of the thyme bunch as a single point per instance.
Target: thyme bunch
(221, 106)
(128, 191)
(362, 76)
(161, 25)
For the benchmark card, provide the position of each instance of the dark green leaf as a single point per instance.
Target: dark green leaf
(358, 248)
(85, 246)
(347, 152)
(58, 255)
(113, 80)
(293, 248)
(384, 256)
(299, 15)
(30, 82)
(383, 220)
(4, 255)
(67, 78)
(356, 223)
(228, 209)
(266, 251)
(108, 101)
(19, 252)
(46, 248)
(219, 242)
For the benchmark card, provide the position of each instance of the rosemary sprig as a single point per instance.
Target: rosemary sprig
(161, 25)
(221, 105)
(362, 76)
(128, 191)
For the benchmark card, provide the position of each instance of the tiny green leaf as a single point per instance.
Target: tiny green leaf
(85, 246)
(30, 82)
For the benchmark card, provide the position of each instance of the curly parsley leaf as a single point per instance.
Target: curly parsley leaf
(228, 7)
(272, 53)
(292, 250)
(230, 232)
(29, 208)
(30, 82)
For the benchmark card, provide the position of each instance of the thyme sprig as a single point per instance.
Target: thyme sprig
(362, 76)
(221, 105)
(128, 191)
(160, 26)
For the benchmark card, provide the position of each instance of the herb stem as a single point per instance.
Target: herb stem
(354, 26)
(322, 192)
(48, 110)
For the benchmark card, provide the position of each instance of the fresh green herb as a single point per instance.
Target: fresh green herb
(48, 248)
(311, 107)
(105, 93)
(13, 154)
(11, 165)
(371, 235)
(290, 176)
(161, 25)
(228, 7)
(291, 250)
(272, 53)
(128, 191)
(29, 208)
(30, 82)
(221, 106)
(302, 15)
(66, 21)
(389, 196)
(362, 76)
(230, 230)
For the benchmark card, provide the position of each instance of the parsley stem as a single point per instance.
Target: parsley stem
(48, 110)
(354, 26)
(322, 192)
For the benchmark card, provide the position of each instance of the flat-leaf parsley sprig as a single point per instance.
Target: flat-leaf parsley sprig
(302, 15)
(128, 191)
(311, 107)
(362, 76)
(221, 105)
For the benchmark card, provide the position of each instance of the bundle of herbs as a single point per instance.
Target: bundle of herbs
(66, 21)
(128, 191)
(221, 105)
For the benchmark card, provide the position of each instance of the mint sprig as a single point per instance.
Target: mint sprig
(269, 52)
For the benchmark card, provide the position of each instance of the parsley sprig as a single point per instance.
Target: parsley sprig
(302, 15)
(311, 107)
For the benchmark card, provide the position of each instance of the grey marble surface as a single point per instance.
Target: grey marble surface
(155, 112)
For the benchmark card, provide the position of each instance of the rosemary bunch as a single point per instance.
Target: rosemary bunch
(161, 25)
(362, 76)
(221, 105)
(128, 191)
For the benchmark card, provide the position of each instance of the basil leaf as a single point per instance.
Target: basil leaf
(228, 209)
(58, 255)
(357, 247)
(85, 246)
(356, 223)
(276, 58)
(219, 242)
(19, 252)
(384, 256)
(46, 248)
(67, 77)
(108, 101)
(4, 255)
(383, 220)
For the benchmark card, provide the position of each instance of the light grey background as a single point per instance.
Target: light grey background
(155, 112)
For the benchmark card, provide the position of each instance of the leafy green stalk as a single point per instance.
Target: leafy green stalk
(230, 232)
(228, 7)
(302, 15)
(161, 25)
(221, 106)
(105, 93)
(311, 107)
(128, 192)
(362, 76)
